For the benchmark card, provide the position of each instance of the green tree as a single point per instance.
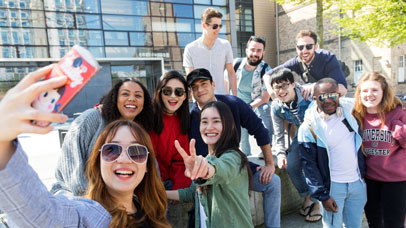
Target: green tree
(379, 22)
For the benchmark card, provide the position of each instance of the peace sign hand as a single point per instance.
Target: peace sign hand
(196, 166)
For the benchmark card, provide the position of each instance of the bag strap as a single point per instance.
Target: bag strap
(307, 77)
(307, 123)
(237, 64)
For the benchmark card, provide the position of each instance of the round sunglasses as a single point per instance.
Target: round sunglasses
(168, 91)
(136, 152)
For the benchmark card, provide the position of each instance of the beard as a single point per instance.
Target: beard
(254, 63)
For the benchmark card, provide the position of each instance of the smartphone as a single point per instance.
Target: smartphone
(79, 66)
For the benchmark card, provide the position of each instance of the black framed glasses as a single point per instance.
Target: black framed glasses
(284, 86)
(214, 26)
(136, 152)
(308, 47)
(323, 97)
(168, 91)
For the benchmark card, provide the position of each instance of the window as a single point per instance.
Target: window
(24, 15)
(401, 69)
(11, 4)
(13, 14)
(358, 70)
(23, 5)
(27, 38)
(5, 38)
(2, 14)
(16, 38)
(140, 39)
(116, 38)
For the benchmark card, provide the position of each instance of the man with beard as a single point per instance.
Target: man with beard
(313, 64)
(250, 86)
(332, 158)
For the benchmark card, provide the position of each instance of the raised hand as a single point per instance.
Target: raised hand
(196, 166)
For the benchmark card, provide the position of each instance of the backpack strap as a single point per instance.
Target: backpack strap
(263, 71)
(345, 122)
(307, 77)
(237, 64)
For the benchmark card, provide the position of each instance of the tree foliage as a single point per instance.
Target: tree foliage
(379, 22)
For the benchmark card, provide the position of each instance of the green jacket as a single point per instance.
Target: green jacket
(226, 204)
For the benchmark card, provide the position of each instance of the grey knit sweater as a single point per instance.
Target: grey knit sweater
(76, 149)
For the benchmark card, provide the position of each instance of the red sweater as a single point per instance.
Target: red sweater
(386, 147)
(170, 162)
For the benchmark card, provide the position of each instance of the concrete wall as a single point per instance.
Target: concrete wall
(92, 92)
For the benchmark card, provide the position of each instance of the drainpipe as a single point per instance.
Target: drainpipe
(277, 33)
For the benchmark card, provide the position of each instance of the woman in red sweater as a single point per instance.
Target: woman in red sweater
(383, 124)
(171, 122)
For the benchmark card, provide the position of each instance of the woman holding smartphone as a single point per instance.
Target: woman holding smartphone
(383, 124)
(220, 180)
(124, 187)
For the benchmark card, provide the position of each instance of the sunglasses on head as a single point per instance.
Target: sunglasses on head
(308, 47)
(257, 38)
(136, 152)
(215, 26)
(323, 97)
(168, 91)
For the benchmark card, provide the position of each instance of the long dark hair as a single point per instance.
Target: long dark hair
(110, 110)
(229, 138)
(158, 105)
(150, 191)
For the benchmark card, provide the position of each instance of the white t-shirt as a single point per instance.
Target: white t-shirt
(197, 55)
(341, 149)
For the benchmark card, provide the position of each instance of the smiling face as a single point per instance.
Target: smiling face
(284, 91)
(173, 102)
(255, 53)
(123, 175)
(329, 106)
(208, 28)
(130, 100)
(371, 95)
(306, 55)
(203, 91)
(211, 126)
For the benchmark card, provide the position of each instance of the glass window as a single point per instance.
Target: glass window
(26, 38)
(2, 14)
(117, 52)
(185, 25)
(161, 24)
(11, 4)
(14, 23)
(93, 38)
(207, 2)
(164, 39)
(161, 9)
(23, 15)
(88, 21)
(8, 52)
(185, 38)
(97, 52)
(13, 14)
(183, 10)
(16, 38)
(139, 8)
(88, 6)
(5, 39)
(1, 3)
(33, 18)
(129, 23)
(220, 2)
(140, 39)
(198, 10)
(3, 23)
(116, 38)
(60, 20)
(23, 5)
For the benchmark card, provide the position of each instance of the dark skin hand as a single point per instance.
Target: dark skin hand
(330, 205)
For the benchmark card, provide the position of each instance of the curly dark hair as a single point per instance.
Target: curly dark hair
(110, 110)
(158, 105)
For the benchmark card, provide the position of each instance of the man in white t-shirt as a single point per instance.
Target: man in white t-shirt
(212, 53)
(332, 160)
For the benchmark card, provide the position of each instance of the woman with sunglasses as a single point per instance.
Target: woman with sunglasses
(383, 124)
(171, 122)
(124, 187)
(221, 180)
(128, 100)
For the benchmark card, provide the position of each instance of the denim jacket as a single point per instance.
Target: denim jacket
(257, 84)
(314, 153)
(28, 203)
(279, 113)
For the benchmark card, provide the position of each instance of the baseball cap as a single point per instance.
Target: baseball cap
(199, 73)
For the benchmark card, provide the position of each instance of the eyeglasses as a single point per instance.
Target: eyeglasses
(136, 152)
(215, 26)
(168, 91)
(323, 97)
(284, 86)
(308, 47)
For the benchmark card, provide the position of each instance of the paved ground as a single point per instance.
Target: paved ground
(43, 151)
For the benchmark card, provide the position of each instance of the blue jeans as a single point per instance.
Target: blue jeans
(271, 193)
(264, 113)
(295, 169)
(350, 199)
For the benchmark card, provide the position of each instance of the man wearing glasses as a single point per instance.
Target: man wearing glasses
(333, 163)
(250, 87)
(313, 64)
(290, 106)
(212, 53)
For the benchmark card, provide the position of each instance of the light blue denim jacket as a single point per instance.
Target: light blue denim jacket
(28, 203)
(279, 113)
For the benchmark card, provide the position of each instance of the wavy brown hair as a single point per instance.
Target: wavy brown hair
(150, 192)
(388, 103)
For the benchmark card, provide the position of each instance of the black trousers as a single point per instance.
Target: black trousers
(386, 205)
